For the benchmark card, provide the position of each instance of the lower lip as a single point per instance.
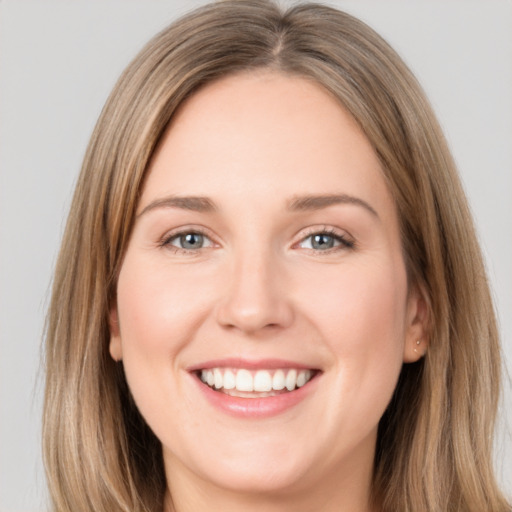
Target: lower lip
(256, 407)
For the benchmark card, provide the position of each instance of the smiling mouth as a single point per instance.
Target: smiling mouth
(245, 383)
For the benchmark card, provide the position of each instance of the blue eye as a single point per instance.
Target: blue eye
(325, 241)
(189, 241)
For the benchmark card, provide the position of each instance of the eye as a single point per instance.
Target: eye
(324, 241)
(188, 241)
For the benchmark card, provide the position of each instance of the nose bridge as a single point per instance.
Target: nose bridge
(256, 294)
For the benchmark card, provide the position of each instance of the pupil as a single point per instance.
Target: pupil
(192, 241)
(323, 242)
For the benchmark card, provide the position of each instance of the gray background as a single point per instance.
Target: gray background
(59, 60)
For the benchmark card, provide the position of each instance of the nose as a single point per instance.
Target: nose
(256, 295)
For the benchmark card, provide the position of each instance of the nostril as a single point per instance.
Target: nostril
(269, 315)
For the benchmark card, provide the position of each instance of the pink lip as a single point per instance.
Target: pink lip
(256, 364)
(253, 408)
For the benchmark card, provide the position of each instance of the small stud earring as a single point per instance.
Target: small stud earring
(418, 343)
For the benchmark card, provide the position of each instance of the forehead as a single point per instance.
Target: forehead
(264, 133)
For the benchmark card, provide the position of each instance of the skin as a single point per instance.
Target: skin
(251, 144)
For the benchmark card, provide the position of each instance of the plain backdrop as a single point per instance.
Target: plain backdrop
(58, 62)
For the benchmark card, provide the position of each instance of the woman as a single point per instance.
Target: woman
(269, 294)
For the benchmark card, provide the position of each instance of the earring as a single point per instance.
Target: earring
(418, 343)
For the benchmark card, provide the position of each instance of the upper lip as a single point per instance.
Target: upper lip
(250, 364)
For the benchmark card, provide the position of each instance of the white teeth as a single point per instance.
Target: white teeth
(244, 381)
(291, 380)
(279, 380)
(262, 381)
(303, 377)
(229, 380)
(217, 378)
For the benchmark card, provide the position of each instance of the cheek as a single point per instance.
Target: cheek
(361, 315)
(157, 311)
(362, 307)
(157, 306)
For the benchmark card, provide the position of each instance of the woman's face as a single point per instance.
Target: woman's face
(265, 254)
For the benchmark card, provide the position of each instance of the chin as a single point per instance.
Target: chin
(262, 469)
(271, 479)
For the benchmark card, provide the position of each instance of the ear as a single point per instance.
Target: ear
(115, 345)
(416, 329)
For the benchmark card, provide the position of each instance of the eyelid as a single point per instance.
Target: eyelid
(165, 240)
(346, 241)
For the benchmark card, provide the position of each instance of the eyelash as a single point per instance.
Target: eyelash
(166, 241)
(343, 241)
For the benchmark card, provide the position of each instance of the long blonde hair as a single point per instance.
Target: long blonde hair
(435, 439)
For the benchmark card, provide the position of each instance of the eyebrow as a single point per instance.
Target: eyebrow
(193, 203)
(299, 203)
(318, 202)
